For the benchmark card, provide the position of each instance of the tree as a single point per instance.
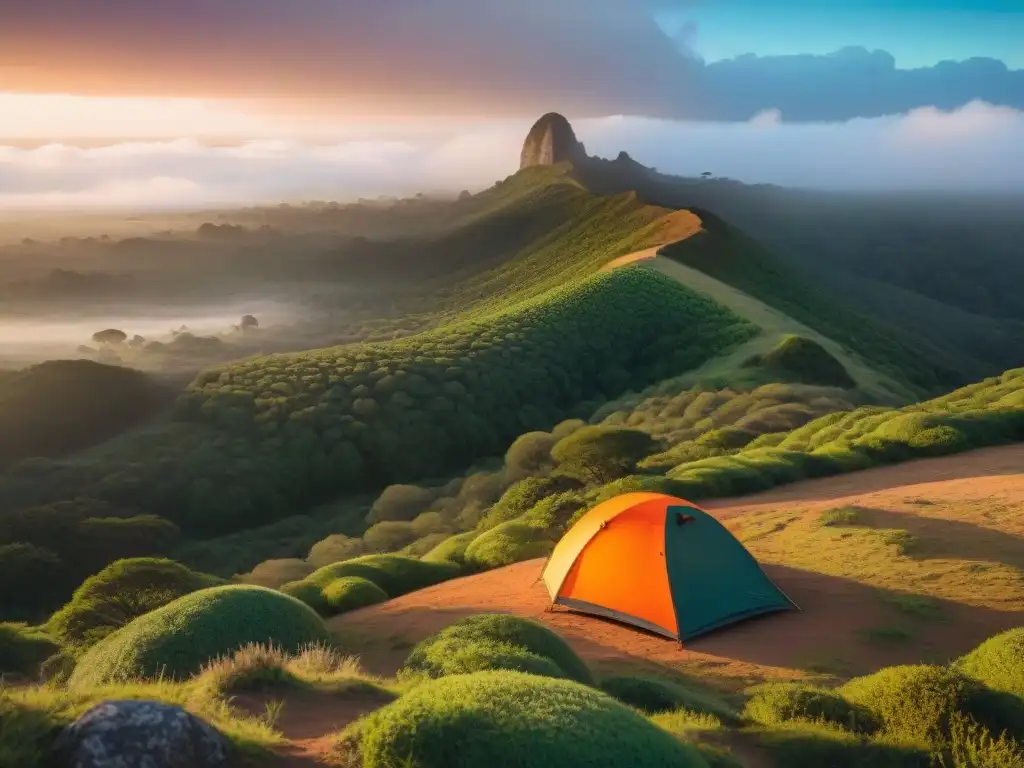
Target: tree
(334, 549)
(110, 336)
(248, 323)
(602, 454)
(530, 453)
(400, 502)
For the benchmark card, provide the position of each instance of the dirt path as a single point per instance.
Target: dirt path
(309, 720)
(774, 325)
(787, 645)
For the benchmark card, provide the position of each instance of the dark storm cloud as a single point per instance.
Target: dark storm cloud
(584, 57)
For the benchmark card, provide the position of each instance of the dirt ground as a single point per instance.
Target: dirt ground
(784, 645)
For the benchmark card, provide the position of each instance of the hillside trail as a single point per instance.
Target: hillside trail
(774, 325)
(309, 720)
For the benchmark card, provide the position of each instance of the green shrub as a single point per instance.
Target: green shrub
(401, 503)
(601, 454)
(508, 543)
(507, 720)
(334, 549)
(277, 572)
(389, 536)
(351, 592)
(554, 514)
(524, 495)
(452, 549)
(495, 633)
(531, 453)
(653, 695)
(33, 579)
(27, 732)
(121, 592)
(395, 574)
(23, 649)
(778, 703)
(453, 655)
(998, 662)
(178, 639)
(817, 745)
(915, 704)
(309, 593)
(804, 360)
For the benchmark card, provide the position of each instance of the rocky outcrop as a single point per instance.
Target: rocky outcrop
(140, 734)
(550, 141)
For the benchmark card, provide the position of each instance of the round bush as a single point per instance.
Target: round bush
(998, 662)
(497, 719)
(494, 635)
(508, 543)
(23, 649)
(309, 593)
(121, 592)
(395, 574)
(178, 639)
(916, 703)
(351, 592)
(452, 549)
(652, 695)
(775, 703)
(453, 656)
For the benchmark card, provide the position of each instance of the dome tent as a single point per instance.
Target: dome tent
(659, 563)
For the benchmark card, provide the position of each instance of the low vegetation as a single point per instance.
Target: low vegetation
(62, 406)
(998, 662)
(655, 694)
(23, 649)
(798, 359)
(120, 593)
(494, 718)
(495, 641)
(175, 641)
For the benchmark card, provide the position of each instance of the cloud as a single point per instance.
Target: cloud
(468, 57)
(972, 148)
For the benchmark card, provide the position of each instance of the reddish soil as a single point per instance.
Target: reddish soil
(833, 610)
(309, 720)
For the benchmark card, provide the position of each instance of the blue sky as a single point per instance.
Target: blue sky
(917, 32)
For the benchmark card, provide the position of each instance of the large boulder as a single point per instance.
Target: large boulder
(140, 734)
(550, 141)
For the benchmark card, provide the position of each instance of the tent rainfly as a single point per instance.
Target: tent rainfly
(659, 563)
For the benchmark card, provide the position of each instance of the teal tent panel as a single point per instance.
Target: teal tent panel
(714, 580)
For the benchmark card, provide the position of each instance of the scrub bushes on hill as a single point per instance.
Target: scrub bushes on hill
(262, 436)
(496, 636)
(917, 704)
(178, 639)
(654, 694)
(121, 592)
(509, 543)
(778, 703)
(799, 359)
(498, 718)
(394, 574)
(998, 662)
(351, 592)
(23, 649)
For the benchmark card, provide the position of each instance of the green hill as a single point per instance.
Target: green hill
(520, 345)
(63, 406)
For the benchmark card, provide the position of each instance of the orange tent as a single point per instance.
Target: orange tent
(659, 563)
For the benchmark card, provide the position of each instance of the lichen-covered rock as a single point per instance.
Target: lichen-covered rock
(551, 141)
(140, 734)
